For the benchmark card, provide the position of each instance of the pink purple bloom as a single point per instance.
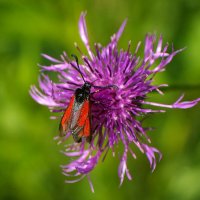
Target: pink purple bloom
(115, 111)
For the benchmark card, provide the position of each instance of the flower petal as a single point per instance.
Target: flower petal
(83, 33)
(121, 30)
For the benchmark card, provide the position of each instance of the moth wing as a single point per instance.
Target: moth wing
(84, 113)
(87, 129)
(82, 127)
(65, 122)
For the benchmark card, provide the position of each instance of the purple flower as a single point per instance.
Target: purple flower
(115, 111)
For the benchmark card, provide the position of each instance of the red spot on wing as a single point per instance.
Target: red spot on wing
(86, 130)
(65, 121)
(84, 120)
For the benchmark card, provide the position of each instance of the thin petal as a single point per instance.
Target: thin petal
(51, 58)
(177, 104)
(83, 33)
(90, 183)
(121, 29)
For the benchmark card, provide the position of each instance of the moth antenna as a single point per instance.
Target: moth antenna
(107, 86)
(76, 59)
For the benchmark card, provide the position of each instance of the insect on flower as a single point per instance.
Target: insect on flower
(109, 112)
(76, 117)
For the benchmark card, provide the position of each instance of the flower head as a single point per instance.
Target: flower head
(115, 111)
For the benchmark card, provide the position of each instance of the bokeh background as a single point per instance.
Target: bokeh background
(30, 158)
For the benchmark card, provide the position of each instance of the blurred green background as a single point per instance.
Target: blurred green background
(30, 158)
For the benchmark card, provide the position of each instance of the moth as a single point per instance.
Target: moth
(77, 116)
